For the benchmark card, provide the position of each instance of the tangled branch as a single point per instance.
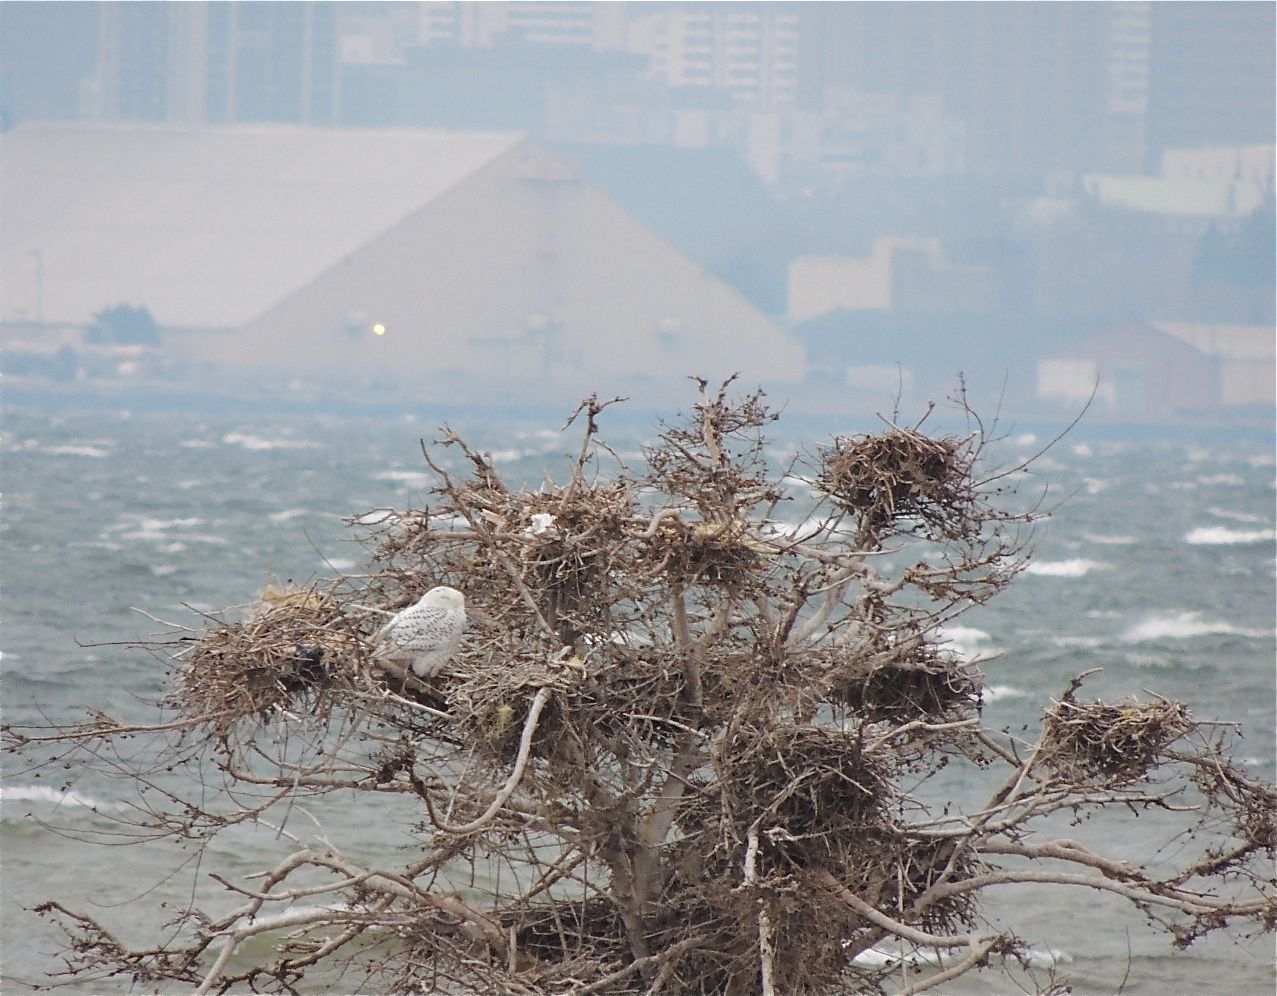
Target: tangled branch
(686, 724)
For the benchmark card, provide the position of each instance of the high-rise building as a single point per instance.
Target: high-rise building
(1130, 41)
(47, 56)
(745, 50)
(139, 45)
(593, 26)
(1041, 86)
(218, 62)
(1211, 76)
(1028, 82)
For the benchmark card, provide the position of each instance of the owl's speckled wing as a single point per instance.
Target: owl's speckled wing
(425, 636)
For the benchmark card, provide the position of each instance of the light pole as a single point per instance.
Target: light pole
(39, 286)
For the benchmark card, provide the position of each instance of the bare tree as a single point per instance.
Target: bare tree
(694, 735)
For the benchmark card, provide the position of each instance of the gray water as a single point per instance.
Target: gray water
(1158, 568)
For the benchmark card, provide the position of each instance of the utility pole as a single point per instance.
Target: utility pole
(39, 286)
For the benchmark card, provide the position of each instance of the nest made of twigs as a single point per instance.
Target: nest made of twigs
(811, 925)
(719, 554)
(923, 684)
(808, 929)
(1100, 741)
(900, 474)
(566, 543)
(567, 929)
(814, 791)
(490, 705)
(914, 867)
(293, 643)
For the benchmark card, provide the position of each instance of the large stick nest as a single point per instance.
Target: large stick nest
(901, 475)
(820, 804)
(907, 681)
(815, 791)
(294, 643)
(723, 554)
(1110, 742)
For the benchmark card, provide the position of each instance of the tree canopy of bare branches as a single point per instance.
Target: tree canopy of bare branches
(692, 732)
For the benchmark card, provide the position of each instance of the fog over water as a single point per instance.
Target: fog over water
(849, 201)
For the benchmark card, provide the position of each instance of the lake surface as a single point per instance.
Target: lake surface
(1158, 568)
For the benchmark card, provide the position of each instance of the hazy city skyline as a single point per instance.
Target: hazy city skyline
(899, 189)
(928, 88)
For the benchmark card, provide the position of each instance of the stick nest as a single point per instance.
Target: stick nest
(816, 791)
(812, 800)
(294, 643)
(1118, 742)
(900, 685)
(899, 475)
(491, 704)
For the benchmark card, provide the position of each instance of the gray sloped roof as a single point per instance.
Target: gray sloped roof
(205, 226)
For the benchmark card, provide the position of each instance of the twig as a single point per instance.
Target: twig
(766, 943)
(979, 951)
(880, 919)
(507, 790)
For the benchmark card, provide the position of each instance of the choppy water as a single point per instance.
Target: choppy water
(1159, 568)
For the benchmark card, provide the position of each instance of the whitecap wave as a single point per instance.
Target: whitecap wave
(885, 957)
(1223, 536)
(287, 514)
(171, 542)
(1223, 513)
(781, 529)
(1109, 540)
(1074, 568)
(250, 442)
(993, 692)
(966, 643)
(1183, 626)
(148, 525)
(84, 451)
(878, 958)
(1045, 957)
(44, 794)
(415, 477)
(168, 532)
(1231, 480)
(1085, 642)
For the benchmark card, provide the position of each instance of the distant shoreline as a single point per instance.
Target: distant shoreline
(218, 398)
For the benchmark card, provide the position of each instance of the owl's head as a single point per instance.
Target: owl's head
(443, 597)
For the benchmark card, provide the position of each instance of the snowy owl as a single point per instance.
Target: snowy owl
(426, 633)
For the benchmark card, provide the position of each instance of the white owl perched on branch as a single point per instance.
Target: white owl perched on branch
(425, 635)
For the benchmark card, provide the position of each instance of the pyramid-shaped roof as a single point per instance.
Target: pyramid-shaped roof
(207, 227)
